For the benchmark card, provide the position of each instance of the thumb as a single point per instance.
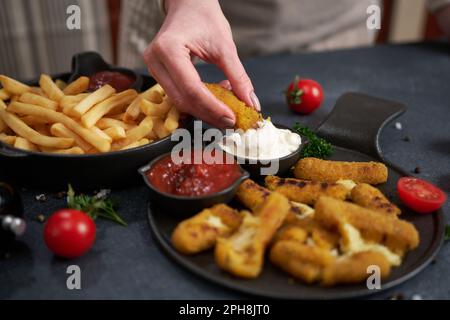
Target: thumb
(240, 82)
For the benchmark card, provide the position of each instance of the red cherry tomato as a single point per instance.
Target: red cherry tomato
(419, 195)
(304, 95)
(69, 233)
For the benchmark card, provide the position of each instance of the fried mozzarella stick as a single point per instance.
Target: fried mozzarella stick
(246, 117)
(332, 171)
(305, 191)
(242, 254)
(370, 197)
(398, 235)
(252, 195)
(304, 262)
(354, 268)
(201, 231)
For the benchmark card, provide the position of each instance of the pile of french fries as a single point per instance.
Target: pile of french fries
(56, 117)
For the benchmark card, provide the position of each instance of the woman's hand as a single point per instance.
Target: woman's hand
(197, 28)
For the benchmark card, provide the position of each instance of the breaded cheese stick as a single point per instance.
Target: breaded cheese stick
(370, 197)
(304, 262)
(242, 254)
(332, 171)
(251, 195)
(201, 231)
(246, 117)
(316, 233)
(353, 268)
(305, 191)
(398, 235)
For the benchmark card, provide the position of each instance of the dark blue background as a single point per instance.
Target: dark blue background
(126, 262)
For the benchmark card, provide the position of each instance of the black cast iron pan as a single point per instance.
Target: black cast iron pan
(353, 127)
(109, 170)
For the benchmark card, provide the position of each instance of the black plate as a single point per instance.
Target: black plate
(273, 283)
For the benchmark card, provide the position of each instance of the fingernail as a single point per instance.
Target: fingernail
(255, 101)
(227, 122)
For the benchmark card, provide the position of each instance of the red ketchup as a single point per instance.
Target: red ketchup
(192, 179)
(117, 80)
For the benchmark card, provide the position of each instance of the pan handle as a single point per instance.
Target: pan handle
(357, 120)
(9, 152)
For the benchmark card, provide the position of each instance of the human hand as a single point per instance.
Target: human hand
(197, 28)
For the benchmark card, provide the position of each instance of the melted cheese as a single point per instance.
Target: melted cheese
(305, 210)
(354, 243)
(216, 222)
(348, 184)
(247, 231)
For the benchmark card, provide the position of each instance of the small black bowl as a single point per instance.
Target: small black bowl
(89, 63)
(254, 167)
(186, 205)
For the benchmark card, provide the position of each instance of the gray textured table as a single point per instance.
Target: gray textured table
(127, 263)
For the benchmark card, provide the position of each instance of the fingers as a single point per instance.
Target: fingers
(239, 80)
(188, 92)
(226, 84)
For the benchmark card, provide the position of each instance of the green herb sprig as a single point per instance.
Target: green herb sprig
(96, 206)
(316, 147)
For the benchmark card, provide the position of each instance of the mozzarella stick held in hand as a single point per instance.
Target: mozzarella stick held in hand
(332, 171)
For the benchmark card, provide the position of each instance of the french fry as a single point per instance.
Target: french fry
(7, 139)
(78, 86)
(155, 109)
(172, 121)
(100, 133)
(116, 133)
(60, 84)
(38, 91)
(33, 98)
(105, 123)
(50, 88)
(69, 102)
(60, 130)
(73, 150)
(118, 116)
(24, 144)
(136, 144)
(90, 118)
(154, 94)
(3, 126)
(135, 134)
(34, 120)
(4, 95)
(23, 130)
(133, 110)
(101, 144)
(159, 129)
(43, 129)
(14, 87)
(87, 103)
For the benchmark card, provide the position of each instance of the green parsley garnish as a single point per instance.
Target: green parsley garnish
(316, 147)
(447, 232)
(94, 207)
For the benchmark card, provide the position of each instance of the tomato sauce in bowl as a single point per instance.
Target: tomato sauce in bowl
(115, 79)
(192, 179)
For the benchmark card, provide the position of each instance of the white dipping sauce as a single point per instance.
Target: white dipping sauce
(264, 143)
